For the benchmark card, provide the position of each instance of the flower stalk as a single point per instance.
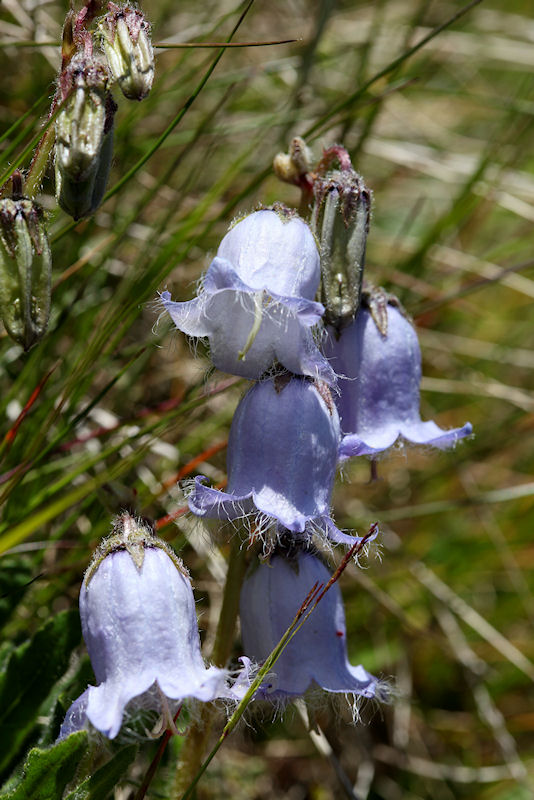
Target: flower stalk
(315, 595)
(199, 732)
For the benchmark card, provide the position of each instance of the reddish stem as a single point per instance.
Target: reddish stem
(188, 468)
(151, 771)
(9, 438)
(334, 153)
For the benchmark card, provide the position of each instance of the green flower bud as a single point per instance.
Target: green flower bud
(125, 37)
(340, 221)
(25, 269)
(80, 123)
(80, 198)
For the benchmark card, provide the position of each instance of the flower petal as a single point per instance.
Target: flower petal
(283, 448)
(214, 504)
(139, 623)
(378, 381)
(421, 433)
(282, 457)
(333, 533)
(189, 317)
(272, 253)
(76, 716)
(317, 653)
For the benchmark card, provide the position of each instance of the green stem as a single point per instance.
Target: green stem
(198, 735)
(224, 637)
(40, 160)
(311, 601)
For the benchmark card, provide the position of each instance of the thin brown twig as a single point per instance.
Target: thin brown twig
(151, 771)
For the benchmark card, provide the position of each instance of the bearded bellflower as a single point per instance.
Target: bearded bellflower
(282, 455)
(317, 654)
(256, 305)
(140, 627)
(379, 359)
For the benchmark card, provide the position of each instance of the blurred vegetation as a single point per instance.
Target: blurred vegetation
(111, 408)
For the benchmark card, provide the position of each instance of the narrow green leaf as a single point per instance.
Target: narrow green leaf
(29, 674)
(347, 102)
(20, 121)
(15, 577)
(19, 532)
(47, 772)
(104, 780)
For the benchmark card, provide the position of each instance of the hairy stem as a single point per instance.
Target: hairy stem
(40, 158)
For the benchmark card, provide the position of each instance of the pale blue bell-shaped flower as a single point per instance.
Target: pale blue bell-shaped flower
(379, 376)
(282, 457)
(140, 627)
(256, 305)
(316, 656)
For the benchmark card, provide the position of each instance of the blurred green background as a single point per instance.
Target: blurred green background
(443, 136)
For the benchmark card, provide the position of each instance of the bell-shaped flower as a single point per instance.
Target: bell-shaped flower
(282, 456)
(317, 654)
(256, 305)
(379, 373)
(140, 627)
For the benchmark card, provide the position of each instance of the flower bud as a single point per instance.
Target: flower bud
(340, 221)
(81, 122)
(293, 167)
(25, 268)
(80, 198)
(125, 36)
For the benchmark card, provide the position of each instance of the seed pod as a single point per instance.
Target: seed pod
(25, 269)
(340, 221)
(80, 198)
(125, 37)
(81, 122)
